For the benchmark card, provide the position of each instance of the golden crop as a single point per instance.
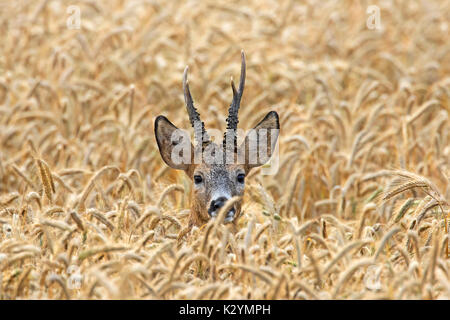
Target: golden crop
(359, 208)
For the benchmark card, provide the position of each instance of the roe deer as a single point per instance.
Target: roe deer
(215, 182)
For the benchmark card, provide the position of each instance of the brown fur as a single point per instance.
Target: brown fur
(215, 176)
(214, 184)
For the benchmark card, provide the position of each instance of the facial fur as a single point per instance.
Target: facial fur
(214, 184)
(218, 184)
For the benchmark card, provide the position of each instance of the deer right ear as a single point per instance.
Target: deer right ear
(174, 144)
(259, 144)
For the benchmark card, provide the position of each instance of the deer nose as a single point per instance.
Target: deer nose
(216, 205)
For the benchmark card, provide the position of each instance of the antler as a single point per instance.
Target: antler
(232, 119)
(194, 117)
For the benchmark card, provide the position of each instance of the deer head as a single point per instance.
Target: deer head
(218, 171)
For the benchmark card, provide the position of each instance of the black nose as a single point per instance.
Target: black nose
(216, 204)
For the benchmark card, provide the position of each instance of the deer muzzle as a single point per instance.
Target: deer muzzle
(215, 206)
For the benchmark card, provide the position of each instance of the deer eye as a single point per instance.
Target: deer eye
(241, 178)
(198, 179)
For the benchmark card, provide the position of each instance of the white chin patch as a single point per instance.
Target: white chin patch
(228, 217)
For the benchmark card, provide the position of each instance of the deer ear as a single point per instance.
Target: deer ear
(174, 144)
(260, 142)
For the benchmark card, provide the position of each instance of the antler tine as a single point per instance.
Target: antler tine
(242, 79)
(194, 116)
(232, 119)
(233, 87)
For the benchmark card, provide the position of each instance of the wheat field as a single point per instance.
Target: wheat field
(359, 208)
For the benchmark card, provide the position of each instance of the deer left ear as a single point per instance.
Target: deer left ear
(260, 142)
(174, 144)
